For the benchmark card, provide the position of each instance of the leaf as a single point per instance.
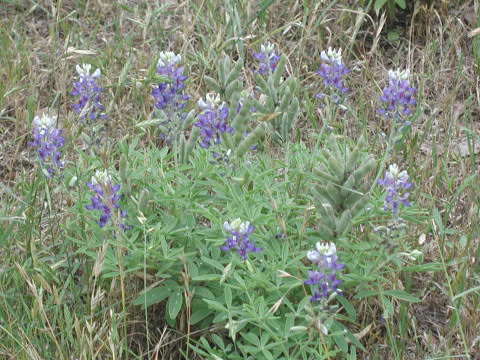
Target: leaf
(152, 296)
(215, 305)
(149, 122)
(228, 296)
(401, 3)
(393, 36)
(175, 304)
(379, 4)
(402, 295)
(206, 277)
(367, 293)
(348, 307)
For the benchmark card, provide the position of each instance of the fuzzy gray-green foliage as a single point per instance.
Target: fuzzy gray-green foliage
(342, 191)
(280, 97)
(230, 87)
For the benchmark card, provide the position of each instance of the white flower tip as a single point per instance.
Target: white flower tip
(45, 121)
(399, 74)
(202, 103)
(267, 49)
(332, 55)
(83, 70)
(101, 177)
(393, 169)
(96, 73)
(168, 58)
(213, 98)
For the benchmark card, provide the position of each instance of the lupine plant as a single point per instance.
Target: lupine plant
(280, 105)
(48, 140)
(264, 300)
(240, 238)
(398, 97)
(333, 71)
(396, 185)
(87, 92)
(169, 95)
(341, 193)
(246, 130)
(326, 260)
(213, 120)
(105, 198)
(268, 59)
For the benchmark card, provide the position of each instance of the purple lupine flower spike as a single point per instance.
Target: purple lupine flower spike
(169, 97)
(395, 183)
(105, 198)
(240, 238)
(48, 140)
(268, 59)
(213, 120)
(398, 97)
(88, 92)
(326, 260)
(332, 70)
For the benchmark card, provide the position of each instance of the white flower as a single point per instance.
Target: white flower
(84, 71)
(101, 177)
(45, 121)
(168, 58)
(323, 250)
(268, 48)
(327, 249)
(314, 256)
(399, 74)
(212, 100)
(394, 172)
(237, 225)
(332, 55)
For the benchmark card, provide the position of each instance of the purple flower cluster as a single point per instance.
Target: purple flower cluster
(332, 70)
(169, 96)
(105, 198)
(213, 120)
(326, 260)
(395, 183)
(48, 140)
(88, 93)
(240, 238)
(398, 96)
(268, 59)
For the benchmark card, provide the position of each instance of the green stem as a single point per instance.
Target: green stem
(384, 159)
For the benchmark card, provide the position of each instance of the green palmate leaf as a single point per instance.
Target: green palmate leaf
(174, 305)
